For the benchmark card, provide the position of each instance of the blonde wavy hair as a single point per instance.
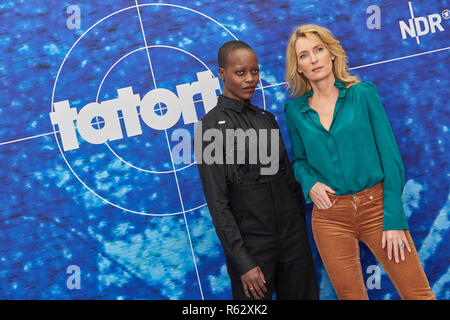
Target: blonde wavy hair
(296, 82)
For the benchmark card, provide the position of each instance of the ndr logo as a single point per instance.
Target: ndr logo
(420, 26)
(127, 103)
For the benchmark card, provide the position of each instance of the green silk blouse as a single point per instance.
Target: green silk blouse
(357, 152)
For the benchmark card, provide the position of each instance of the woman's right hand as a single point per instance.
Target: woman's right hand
(319, 196)
(254, 282)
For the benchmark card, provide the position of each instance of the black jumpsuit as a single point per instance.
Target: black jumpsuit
(259, 219)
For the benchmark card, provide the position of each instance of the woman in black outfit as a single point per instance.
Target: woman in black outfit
(259, 217)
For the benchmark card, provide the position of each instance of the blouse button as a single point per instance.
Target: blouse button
(371, 197)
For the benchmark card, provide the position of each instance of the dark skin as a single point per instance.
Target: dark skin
(240, 77)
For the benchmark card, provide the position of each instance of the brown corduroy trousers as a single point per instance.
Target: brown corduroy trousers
(359, 217)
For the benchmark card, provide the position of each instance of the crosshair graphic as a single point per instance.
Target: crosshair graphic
(174, 170)
(146, 47)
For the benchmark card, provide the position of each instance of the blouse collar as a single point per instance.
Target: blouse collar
(304, 105)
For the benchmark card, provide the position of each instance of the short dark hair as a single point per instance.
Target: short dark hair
(227, 48)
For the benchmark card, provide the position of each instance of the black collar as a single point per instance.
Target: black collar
(229, 103)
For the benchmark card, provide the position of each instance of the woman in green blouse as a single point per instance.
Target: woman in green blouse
(347, 161)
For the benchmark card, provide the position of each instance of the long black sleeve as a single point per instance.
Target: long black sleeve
(214, 181)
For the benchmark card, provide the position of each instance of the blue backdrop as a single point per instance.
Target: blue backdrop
(132, 221)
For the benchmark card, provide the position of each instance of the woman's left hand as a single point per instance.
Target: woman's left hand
(396, 241)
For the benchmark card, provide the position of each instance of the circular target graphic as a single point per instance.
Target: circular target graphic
(153, 51)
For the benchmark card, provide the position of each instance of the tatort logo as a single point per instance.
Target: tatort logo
(130, 106)
(420, 26)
